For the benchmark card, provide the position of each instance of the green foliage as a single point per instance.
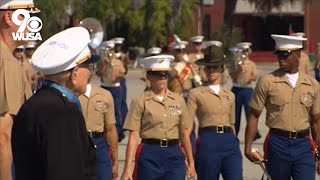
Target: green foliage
(182, 27)
(52, 15)
(221, 34)
(141, 22)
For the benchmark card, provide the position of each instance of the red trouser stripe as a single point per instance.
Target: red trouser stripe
(265, 146)
(135, 173)
(313, 144)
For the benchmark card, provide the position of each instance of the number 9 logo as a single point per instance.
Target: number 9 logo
(34, 24)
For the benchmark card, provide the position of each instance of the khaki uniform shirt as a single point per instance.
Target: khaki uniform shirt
(98, 109)
(14, 89)
(193, 57)
(199, 69)
(246, 69)
(305, 66)
(158, 119)
(31, 74)
(180, 85)
(124, 59)
(287, 108)
(210, 108)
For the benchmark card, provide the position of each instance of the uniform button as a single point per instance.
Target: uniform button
(165, 115)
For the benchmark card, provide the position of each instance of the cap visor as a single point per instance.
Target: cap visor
(93, 59)
(203, 62)
(282, 53)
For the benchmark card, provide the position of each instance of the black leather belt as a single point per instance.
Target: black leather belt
(161, 142)
(217, 129)
(95, 134)
(290, 134)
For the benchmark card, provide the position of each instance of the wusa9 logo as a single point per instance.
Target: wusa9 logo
(34, 25)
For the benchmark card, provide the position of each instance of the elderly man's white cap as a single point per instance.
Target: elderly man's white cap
(118, 40)
(244, 45)
(18, 4)
(196, 39)
(211, 43)
(288, 43)
(63, 51)
(154, 50)
(298, 34)
(157, 63)
(178, 45)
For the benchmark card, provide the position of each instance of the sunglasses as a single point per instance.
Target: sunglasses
(91, 67)
(159, 73)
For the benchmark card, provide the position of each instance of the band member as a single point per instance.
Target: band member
(243, 74)
(118, 54)
(31, 74)
(150, 52)
(196, 49)
(111, 71)
(305, 66)
(218, 150)
(180, 80)
(29, 50)
(291, 99)
(161, 119)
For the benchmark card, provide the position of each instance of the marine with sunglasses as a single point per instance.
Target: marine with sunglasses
(161, 119)
(218, 150)
(98, 111)
(292, 103)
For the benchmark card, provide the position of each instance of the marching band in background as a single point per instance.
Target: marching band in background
(64, 126)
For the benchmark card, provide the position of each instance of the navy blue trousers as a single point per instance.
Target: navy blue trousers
(218, 154)
(117, 100)
(124, 107)
(317, 74)
(159, 163)
(289, 158)
(242, 96)
(104, 165)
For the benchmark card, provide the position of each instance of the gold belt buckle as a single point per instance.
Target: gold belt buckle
(220, 129)
(164, 142)
(293, 134)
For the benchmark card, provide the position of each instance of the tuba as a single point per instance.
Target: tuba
(95, 29)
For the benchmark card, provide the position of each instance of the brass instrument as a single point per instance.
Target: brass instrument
(195, 75)
(95, 29)
(235, 65)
